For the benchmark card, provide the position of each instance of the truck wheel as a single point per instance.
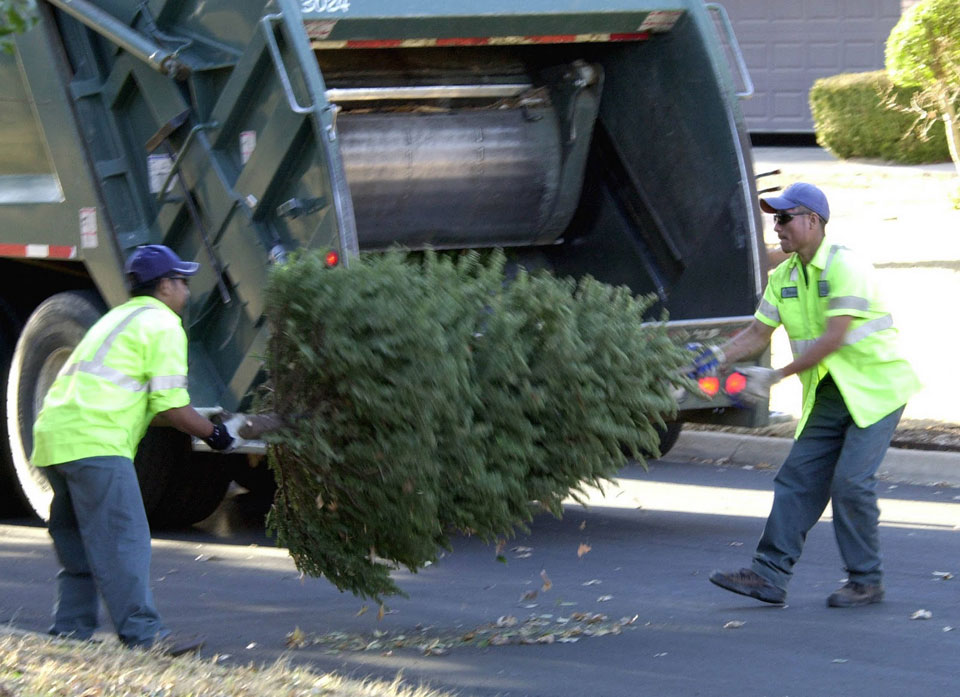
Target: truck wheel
(12, 504)
(669, 436)
(179, 487)
(49, 337)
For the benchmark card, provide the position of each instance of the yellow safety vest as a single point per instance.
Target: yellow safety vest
(868, 368)
(131, 365)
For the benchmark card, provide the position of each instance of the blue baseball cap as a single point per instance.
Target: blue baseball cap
(152, 261)
(799, 194)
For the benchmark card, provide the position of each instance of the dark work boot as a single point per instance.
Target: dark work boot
(855, 594)
(749, 583)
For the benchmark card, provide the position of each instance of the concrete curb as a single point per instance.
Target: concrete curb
(899, 465)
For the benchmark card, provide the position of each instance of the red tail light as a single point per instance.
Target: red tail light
(709, 385)
(332, 258)
(735, 383)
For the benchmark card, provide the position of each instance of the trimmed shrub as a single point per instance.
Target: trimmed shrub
(851, 119)
(431, 397)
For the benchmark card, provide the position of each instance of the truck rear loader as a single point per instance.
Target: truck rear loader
(599, 137)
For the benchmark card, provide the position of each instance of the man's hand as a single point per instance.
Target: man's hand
(707, 360)
(759, 382)
(220, 439)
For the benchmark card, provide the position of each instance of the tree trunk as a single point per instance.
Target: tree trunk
(952, 128)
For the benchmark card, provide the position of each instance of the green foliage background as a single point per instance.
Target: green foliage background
(431, 397)
(16, 16)
(927, 36)
(851, 120)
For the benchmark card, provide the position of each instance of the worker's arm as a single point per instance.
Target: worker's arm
(186, 419)
(829, 341)
(760, 379)
(747, 343)
(189, 420)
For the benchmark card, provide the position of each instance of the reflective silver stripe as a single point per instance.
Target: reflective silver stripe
(107, 344)
(867, 328)
(833, 252)
(795, 275)
(800, 346)
(168, 382)
(111, 375)
(769, 310)
(96, 366)
(849, 302)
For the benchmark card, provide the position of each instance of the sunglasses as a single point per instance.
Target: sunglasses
(784, 218)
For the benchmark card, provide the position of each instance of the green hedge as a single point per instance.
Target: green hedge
(851, 121)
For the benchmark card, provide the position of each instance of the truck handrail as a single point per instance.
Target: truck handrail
(130, 40)
(266, 23)
(721, 11)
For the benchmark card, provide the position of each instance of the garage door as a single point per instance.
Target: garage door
(788, 44)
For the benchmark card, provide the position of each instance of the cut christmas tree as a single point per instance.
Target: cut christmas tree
(428, 397)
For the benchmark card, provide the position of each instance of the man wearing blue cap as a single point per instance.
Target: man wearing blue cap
(855, 386)
(129, 370)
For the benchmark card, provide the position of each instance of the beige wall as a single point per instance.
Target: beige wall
(788, 44)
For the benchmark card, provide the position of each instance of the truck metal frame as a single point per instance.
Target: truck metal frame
(583, 137)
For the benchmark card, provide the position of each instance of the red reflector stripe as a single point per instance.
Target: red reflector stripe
(38, 251)
(380, 43)
(469, 41)
(629, 37)
(556, 39)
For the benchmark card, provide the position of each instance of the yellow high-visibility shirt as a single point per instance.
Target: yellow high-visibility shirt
(130, 366)
(868, 368)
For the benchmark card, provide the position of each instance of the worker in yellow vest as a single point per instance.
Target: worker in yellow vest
(128, 372)
(855, 386)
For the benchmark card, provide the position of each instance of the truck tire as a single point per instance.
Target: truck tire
(12, 503)
(50, 335)
(669, 436)
(179, 487)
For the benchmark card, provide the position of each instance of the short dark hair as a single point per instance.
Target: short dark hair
(141, 289)
(807, 211)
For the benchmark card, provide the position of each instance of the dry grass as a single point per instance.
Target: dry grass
(32, 665)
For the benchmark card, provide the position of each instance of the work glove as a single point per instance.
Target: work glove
(220, 439)
(759, 382)
(707, 360)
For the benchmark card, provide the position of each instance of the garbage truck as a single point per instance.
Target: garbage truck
(599, 137)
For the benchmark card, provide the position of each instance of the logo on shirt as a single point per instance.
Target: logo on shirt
(789, 292)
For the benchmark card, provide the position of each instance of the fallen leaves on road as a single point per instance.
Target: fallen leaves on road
(32, 665)
(506, 630)
(547, 583)
(942, 575)
(296, 638)
(734, 624)
(921, 615)
(583, 549)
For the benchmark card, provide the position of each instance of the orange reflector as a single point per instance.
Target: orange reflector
(735, 383)
(332, 258)
(710, 386)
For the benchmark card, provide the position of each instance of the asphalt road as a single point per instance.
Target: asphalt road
(653, 541)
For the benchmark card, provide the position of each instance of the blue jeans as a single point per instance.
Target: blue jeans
(832, 459)
(102, 539)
